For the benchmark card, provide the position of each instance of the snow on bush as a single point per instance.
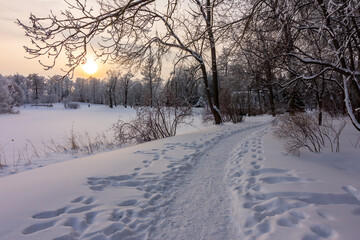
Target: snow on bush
(302, 131)
(151, 123)
(10, 95)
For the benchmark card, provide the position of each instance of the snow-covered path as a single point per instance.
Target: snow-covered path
(202, 208)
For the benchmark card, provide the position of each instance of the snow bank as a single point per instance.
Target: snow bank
(279, 196)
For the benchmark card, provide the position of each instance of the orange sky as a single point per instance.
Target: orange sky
(12, 39)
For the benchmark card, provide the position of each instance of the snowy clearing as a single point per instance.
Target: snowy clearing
(221, 182)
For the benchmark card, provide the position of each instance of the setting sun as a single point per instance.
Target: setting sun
(90, 67)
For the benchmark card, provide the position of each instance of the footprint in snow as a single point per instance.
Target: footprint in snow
(286, 222)
(322, 231)
(325, 215)
(294, 218)
(78, 199)
(99, 184)
(268, 170)
(311, 237)
(353, 191)
(283, 179)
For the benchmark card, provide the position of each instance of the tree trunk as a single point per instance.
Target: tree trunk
(260, 103)
(125, 97)
(319, 98)
(213, 55)
(110, 100)
(36, 91)
(151, 92)
(214, 111)
(249, 101)
(272, 100)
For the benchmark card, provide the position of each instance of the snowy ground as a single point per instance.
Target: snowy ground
(221, 182)
(26, 138)
(278, 196)
(26, 133)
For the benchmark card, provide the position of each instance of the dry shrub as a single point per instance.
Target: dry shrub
(302, 131)
(151, 123)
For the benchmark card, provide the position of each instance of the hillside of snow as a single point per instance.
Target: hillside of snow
(232, 181)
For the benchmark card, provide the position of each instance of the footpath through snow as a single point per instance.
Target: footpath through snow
(201, 208)
(130, 193)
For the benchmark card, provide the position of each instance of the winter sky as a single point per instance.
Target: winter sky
(12, 37)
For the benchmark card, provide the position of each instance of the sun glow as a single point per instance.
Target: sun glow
(90, 67)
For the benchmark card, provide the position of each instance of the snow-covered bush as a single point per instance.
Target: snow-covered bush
(151, 123)
(302, 131)
(11, 95)
(332, 128)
